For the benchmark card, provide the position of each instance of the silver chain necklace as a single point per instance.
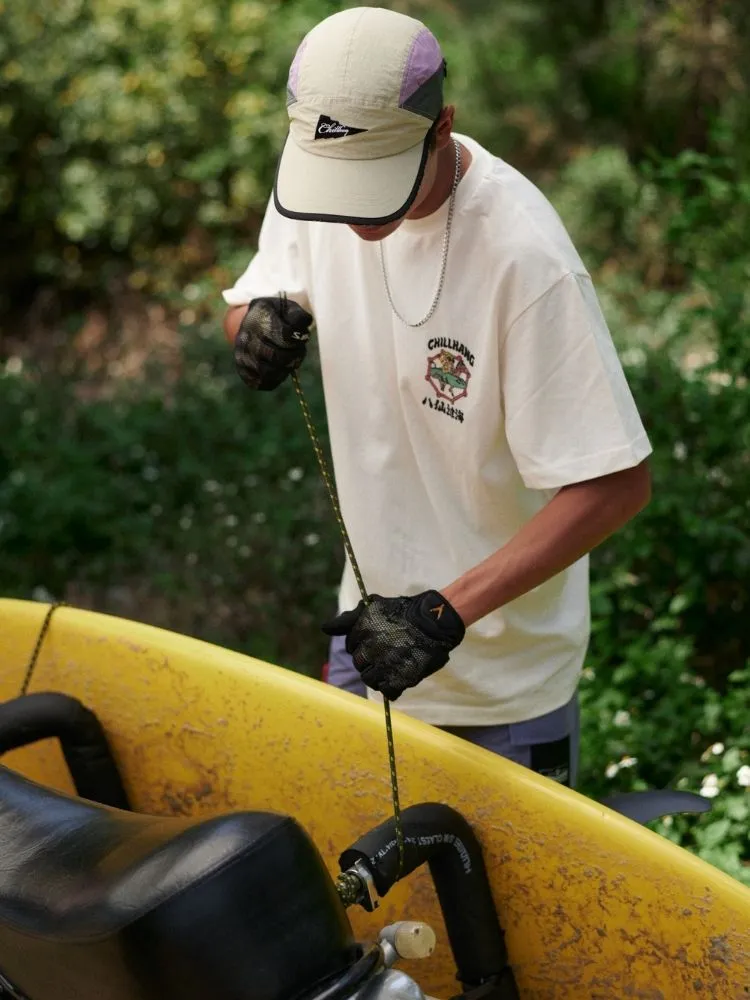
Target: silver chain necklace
(446, 244)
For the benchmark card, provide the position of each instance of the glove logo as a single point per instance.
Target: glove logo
(438, 611)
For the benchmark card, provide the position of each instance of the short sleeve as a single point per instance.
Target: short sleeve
(276, 267)
(569, 412)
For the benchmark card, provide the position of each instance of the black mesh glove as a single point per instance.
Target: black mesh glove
(395, 642)
(271, 342)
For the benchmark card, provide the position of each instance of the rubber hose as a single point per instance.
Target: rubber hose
(45, 715)
(439, 836)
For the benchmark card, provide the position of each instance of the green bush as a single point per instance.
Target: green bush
(191, 504)
(669, 664)
(126, 126)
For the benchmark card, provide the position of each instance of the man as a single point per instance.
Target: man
(483, 435)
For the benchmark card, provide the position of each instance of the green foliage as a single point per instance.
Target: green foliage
(540, 79)
(126, 125)
(667, 675)
(667, 672)
(192, 505)
(657, 723)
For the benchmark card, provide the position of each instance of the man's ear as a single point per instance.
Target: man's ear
(445, 127)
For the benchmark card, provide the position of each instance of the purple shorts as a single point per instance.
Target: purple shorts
(547, 744)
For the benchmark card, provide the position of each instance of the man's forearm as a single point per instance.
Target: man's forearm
(575, 521)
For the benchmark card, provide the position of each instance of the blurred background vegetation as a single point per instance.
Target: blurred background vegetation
(137, 148)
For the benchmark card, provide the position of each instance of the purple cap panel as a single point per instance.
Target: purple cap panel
(424, 61)
(294, 71)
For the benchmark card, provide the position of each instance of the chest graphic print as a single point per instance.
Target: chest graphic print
(449, 365)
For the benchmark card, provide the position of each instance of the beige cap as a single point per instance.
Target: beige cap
(365, 89)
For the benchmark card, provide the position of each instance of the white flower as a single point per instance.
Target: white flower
(230, 521)
(622, 719)
(628, 762)
(211, 486)
(709, 791)
(311, 539)
(715, 750)
(612, 770)
(259, 517)
(710, 787)
(14, 366)
(680, 451)
(296, 474)
(743, 776)
(186, 523)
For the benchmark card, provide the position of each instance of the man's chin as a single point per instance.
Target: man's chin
(373, 234)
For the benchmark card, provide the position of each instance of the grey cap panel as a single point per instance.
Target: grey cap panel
(427, 99)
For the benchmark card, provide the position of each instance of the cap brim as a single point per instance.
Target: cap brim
(358, 192)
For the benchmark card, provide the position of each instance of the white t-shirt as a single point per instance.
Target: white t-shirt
(447, 438)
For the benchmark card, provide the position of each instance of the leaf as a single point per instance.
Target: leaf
(737, 807)
(714, 834)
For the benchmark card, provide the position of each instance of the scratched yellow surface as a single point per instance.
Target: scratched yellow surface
(594, 906)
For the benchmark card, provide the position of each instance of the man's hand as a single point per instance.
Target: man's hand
(271, 342)
(395, 642)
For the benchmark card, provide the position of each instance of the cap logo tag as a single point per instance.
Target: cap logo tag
(329, 128)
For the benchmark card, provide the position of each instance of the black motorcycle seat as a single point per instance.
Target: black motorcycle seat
(101, 903)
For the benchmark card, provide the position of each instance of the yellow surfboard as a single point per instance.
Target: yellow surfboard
(594, 906)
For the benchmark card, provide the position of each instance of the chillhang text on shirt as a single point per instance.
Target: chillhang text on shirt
(452, 345)
(448, 374)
